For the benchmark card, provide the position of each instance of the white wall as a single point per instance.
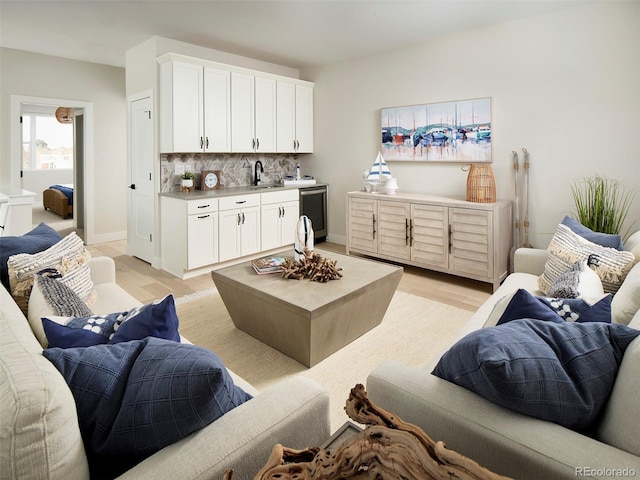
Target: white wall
(37, 181)
(566, 86)
(35, 75)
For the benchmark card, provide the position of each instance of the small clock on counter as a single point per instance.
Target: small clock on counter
(210, 180)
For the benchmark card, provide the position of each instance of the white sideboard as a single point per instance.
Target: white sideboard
(445, 234)
(16, 211)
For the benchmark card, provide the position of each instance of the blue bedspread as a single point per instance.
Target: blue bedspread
(66, 190)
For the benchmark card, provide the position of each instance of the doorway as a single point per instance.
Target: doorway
(82, 163)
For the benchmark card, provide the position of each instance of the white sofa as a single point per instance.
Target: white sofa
(40, 436)
(510, 443)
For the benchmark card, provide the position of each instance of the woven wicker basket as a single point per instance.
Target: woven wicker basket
(481, 185)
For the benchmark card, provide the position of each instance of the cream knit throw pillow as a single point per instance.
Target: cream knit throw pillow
(68, 256)
(567, 248)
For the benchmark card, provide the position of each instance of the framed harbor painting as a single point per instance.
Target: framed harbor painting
(457, 131)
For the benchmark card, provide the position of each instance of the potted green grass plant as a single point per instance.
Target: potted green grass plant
(602, 204)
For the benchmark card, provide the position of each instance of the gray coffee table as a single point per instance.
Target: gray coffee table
(308, 321)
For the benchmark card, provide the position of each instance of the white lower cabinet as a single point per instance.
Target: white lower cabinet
(189, 234)
(239, 226)
(279, 216)
(200, 232)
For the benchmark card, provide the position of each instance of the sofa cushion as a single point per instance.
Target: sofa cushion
(620, 422)
(567, 248)
(578, 281)
(39, 431)
(37, 240)
(157, 319)
(134, 398)
(626, 301)
(522, 304)
(68, 256)
(559, 372)
(604, 239)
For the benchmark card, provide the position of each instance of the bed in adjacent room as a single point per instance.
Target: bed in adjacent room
(59, 199)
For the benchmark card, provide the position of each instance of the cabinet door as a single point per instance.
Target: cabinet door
(471, 250)
(265, 114)
(242, 113)
(304, 119)
(362, 225)
(229, 234)
(202, 240)
(286, 117)
(289, 223)
(430, 235)
(393, 225)
(270, 220)
(187, 107)
(250, 231)
(217, 110)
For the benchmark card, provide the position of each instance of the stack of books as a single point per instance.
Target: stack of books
(265, 265)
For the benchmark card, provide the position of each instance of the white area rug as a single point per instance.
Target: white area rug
(414, 331)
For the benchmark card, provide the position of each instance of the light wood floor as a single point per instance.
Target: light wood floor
(147, 283)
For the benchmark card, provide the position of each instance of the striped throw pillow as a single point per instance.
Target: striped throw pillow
(567, 248)
(68, 256)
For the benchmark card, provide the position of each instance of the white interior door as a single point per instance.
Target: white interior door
(142, 207)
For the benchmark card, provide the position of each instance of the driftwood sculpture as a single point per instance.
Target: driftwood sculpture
(388, 449)
(312, 266)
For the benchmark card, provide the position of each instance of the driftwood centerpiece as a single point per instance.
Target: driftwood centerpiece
(312, 266)
(388, 449)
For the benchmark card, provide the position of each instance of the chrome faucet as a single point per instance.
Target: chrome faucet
(256, 173)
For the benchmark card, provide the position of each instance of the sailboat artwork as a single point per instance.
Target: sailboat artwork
(378, 178)
(457, 131)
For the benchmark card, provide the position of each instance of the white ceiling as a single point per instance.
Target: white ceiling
(294, 33)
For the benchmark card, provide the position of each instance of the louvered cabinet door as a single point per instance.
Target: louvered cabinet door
(361, 225)
(471, 242)
(393, 228)
(430, 235)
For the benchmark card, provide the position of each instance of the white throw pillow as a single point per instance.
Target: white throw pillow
(626, 301)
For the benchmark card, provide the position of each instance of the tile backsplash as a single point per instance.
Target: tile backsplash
(236, 168)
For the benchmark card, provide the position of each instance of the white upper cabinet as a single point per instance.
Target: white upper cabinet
(294, 118)
(253, 107)
(212, 107)
(217, 110)
(195, 106)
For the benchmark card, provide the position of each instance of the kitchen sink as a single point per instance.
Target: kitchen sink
(268, 185)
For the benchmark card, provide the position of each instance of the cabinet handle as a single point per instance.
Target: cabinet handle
(253, 143)
(204, 206)
(297, 145)
(238, 219)
(207, 144)
(374, 226)
(201, 142)
(450, 238)
(406, 231)
(241, 202)
(243, 218)
(411, 233)
(294, 145)
(257, 144)
(203, 216)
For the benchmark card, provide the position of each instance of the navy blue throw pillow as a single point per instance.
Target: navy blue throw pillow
(524, 305)
(559, 372)
(603, 239)
(37, 240)
(135, 398)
